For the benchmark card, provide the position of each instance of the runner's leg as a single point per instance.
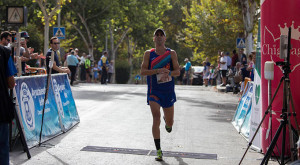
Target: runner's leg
(169, 116)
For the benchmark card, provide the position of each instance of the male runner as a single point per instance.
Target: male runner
(160, 64)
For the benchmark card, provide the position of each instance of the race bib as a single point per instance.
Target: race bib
(163, 78)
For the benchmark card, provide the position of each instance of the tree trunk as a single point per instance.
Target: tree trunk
(46, 35)
(248, 10)
(249, 42)
(112, 51)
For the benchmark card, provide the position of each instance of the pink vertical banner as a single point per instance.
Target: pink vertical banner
(276, 17)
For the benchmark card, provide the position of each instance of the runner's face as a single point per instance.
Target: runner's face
(159, 38)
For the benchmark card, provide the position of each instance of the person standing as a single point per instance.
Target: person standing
(87, 65)
(110, 71)
(160, 65)
(72, 65)
(54, 43)
(223, 68)
(103, 64)
(229, 61)
(82, 67)
(243, 57)
(234, 59)
(188, 68)
(7, 81)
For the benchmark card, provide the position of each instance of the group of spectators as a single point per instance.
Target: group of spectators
(89, 71)
(233, 70)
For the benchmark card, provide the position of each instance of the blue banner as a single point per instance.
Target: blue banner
(64, 101)
(242, 115)
(60, 111)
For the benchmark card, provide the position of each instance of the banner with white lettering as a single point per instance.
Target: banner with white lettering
(30, 94)
(60, 109)
(64, 101)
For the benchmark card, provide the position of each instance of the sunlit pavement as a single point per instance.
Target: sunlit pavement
(117, 116)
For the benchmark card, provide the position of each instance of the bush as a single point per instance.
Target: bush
(122, 71)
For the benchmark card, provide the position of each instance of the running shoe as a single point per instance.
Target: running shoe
(159, 155)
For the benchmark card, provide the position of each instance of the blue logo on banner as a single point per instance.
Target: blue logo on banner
(27, 106)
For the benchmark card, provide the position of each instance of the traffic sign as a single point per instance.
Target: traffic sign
(15, 15)
(240, 43)
(59, 32)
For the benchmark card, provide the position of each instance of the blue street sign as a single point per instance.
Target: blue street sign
(240, 43)
(59, 32)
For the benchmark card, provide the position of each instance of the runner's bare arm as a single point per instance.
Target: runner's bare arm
(176, 71)
(144, 67)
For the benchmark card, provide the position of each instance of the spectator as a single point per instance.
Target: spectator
(207, 62)
(212, 75)
(223, 68)
(72, 65)
(104, 63)
(205, 73)
(54, 43)
(7, 81)
(99, 70)
(228, 58)
(110, 71)
(180, 77)
(243, 57)
(87, 65)
(82, 67)
(234, 59)
(188, 68)
(251, 67)
(95, 71)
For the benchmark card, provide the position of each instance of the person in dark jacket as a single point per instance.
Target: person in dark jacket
(7, 81)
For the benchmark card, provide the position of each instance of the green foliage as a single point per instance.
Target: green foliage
(211, 26)
(36, 39)
(122, 71)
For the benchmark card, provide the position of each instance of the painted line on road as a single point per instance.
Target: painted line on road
(149, 152)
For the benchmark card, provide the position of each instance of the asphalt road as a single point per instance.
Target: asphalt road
(118, 116)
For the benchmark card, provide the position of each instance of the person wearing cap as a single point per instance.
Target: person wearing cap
(72, 62)
(188, 67)
(54, 44)
(160, 65)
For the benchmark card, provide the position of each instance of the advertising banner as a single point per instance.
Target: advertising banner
(242, 115)
(276, 17)
(30, 94)
(60, 110)
(64, 101)
(256, 100)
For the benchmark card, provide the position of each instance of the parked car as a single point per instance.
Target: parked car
(197, 75)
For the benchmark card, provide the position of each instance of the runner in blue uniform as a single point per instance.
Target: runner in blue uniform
(160, 64)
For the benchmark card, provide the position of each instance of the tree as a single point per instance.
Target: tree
(88, 18)
(249, 10)
(211, 26)
(48, 15)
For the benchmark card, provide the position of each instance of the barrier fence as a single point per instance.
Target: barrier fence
(60, 111)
